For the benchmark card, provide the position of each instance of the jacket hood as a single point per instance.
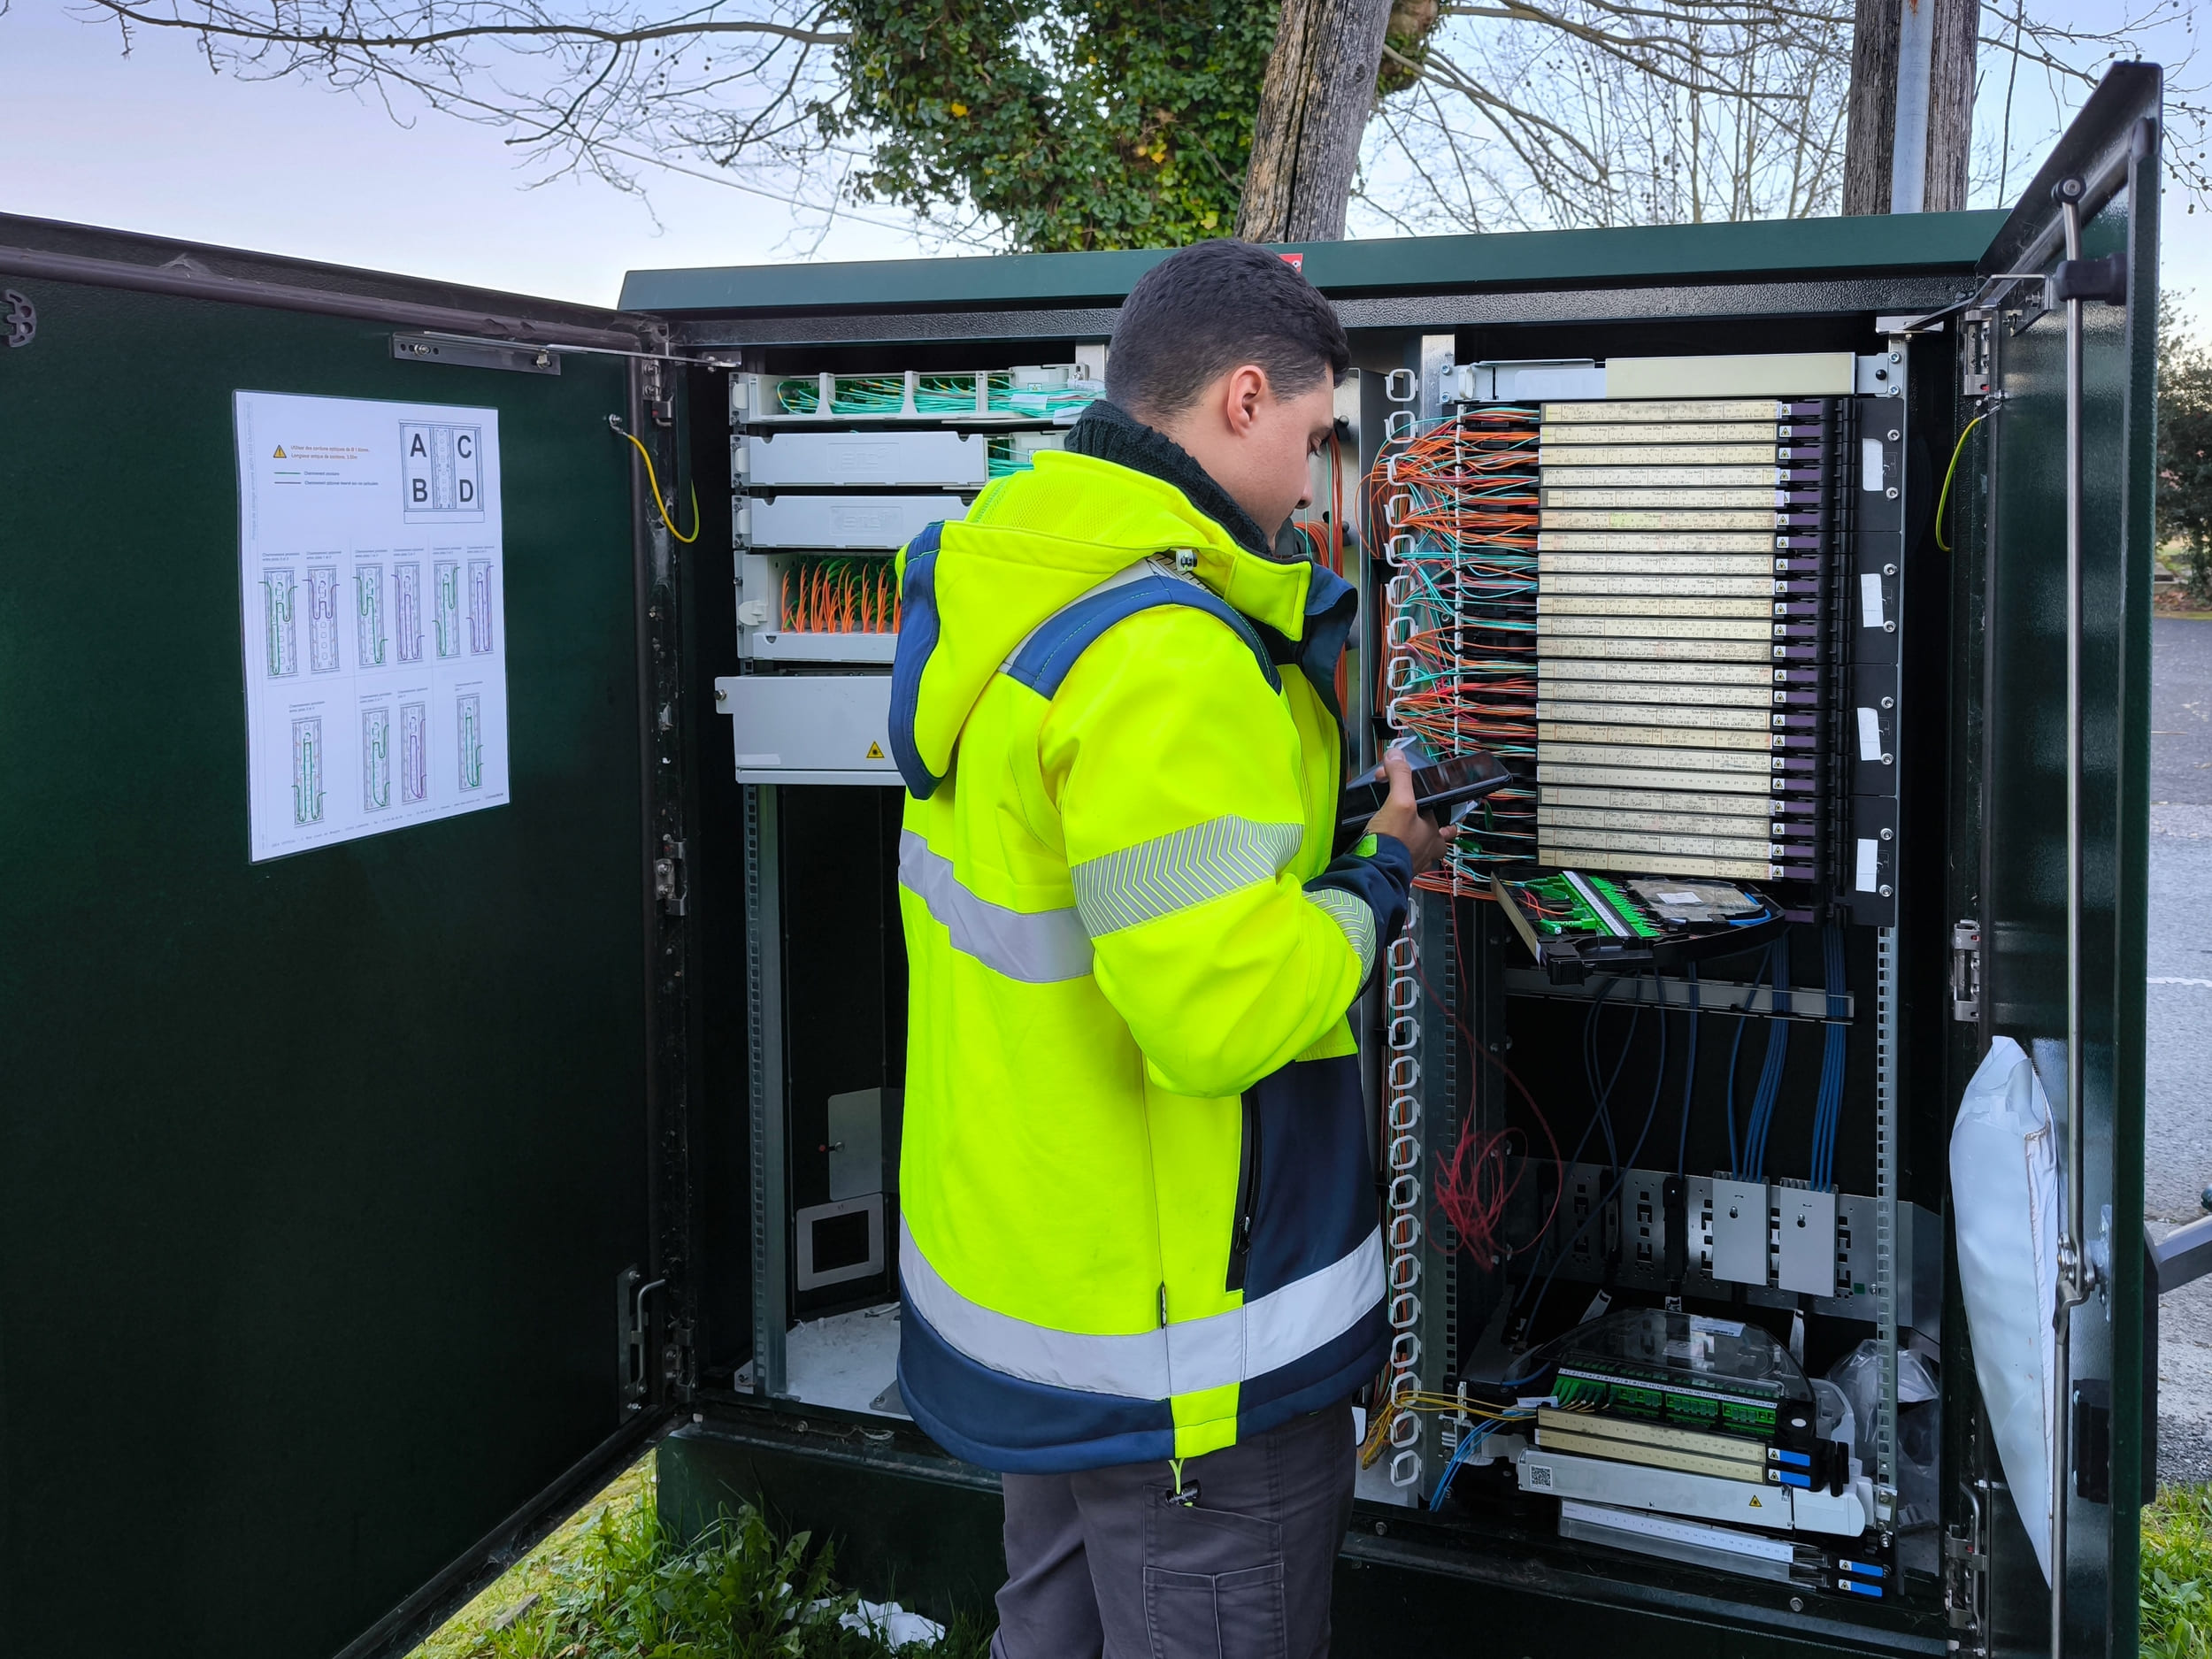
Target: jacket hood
(1031, 544)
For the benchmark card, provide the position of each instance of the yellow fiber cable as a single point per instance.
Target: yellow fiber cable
(653, 484)
(1943, 500)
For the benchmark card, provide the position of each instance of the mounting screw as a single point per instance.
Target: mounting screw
(1894, 434)
(1886, 834)
(2205, 1198)
(1896, 356)
(1797, 1604)
(1891, 492)
(1889, 627)
(1886, 890)
(1889, 702)
(1381, 1527)
(1889, 760)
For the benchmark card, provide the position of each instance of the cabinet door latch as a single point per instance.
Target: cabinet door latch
(632, 1331)
(1966, 972)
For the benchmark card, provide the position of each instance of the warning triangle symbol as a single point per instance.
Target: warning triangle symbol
(280, 454)
(875, 751)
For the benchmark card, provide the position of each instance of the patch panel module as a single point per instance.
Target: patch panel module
(1056, 391)
(825, 466)
(1658, 588)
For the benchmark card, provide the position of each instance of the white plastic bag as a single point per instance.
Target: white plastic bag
(1856, 1379)
(2005, 1210)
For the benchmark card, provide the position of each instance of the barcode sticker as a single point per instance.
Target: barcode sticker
(1869, 879)
(1870, 735)
(1869, 602)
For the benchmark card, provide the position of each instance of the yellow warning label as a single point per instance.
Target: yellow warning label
(1755, 1503)
(875, 751)
(280, 454)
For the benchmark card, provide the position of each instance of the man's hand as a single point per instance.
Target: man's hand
(1400, 818)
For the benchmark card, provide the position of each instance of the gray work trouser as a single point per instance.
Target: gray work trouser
(1102, 1562)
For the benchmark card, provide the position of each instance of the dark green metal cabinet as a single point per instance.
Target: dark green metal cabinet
(2020, 890)
(315, 1175)
(359, 1209)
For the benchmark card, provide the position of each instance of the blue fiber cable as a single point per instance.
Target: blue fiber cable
(1689, 1082)
(1770, 1068)
(1829, 1118)
(1735, 1050)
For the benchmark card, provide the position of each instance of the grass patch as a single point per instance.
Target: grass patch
(2177, 1587)
(610, 1583)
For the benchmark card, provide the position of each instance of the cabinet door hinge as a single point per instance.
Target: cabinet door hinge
(669, 890)
(1966, 1585)
(1966, 972)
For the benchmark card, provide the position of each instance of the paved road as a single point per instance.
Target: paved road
(2179, 1137)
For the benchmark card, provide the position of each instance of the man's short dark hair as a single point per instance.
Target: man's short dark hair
(1208, 308)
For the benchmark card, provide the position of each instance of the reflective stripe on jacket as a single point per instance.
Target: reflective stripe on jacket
(1139, 1214)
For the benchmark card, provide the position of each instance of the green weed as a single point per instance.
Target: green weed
(611, 1584)
(2176, 1596)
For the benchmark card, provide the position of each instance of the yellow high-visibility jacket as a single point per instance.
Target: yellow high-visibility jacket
(1138, 1211)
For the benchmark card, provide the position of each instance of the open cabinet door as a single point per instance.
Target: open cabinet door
(2062, 879)
(319, 1156)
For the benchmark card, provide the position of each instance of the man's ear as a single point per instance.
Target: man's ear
(1241, 396)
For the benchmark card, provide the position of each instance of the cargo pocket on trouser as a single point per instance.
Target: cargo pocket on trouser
(1213, 1584)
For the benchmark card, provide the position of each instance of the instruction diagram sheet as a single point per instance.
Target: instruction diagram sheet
(371, 580)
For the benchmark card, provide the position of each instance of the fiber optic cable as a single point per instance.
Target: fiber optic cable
(1778, 1048)
(1689, 1080)
(1828, 1117)
(1467, 1444)
(1489, 1247)
(1658, 1084)
(1456, 506)
(1600, 1114)
(1735, 1051)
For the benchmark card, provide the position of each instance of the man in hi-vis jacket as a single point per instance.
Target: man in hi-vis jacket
(1139, 1258)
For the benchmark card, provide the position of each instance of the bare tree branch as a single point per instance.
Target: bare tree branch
(1513, 113)
(682, 29)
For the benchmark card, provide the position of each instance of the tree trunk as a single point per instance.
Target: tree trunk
(1868, 139)
(1315, 100)
(1870, 143)
(1950, 102)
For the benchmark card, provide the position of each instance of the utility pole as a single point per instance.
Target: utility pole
(1315, 99)
(1912, 106)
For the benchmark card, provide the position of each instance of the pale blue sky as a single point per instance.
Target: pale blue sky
(155, 142)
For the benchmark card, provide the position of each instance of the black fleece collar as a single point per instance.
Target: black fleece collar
(1107, 432)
